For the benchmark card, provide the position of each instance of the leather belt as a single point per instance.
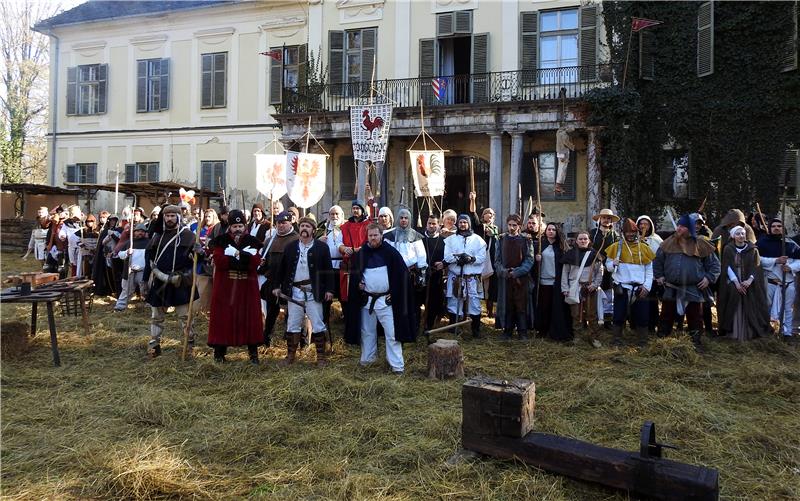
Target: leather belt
(237, 275)
(301, 283)
(373, 297)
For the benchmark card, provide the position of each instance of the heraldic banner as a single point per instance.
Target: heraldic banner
(369, 129)
(427, 168)
(305, 177)
(271, 175)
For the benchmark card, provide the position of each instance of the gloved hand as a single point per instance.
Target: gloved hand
(175, 279)
(230, 250)
(250, 250)
(462, 259)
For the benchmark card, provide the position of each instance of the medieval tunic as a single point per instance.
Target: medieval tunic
(469, 274)
(271, 255)
(742, 317)
(592, 274)
(634, 270)
(235, 318)
(171, 252)
(38, 241)
(354, 235)
(769, 246)
(514, 300)
(489, 233)
(381, 270)
(600, 242)
(305, 275)
(133, 259)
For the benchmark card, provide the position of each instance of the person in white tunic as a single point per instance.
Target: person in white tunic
(38, 242)
(465, 252)
(408, 243)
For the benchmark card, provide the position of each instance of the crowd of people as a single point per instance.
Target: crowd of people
(242, 268)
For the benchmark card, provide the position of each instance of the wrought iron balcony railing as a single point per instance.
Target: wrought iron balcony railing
(481, 88)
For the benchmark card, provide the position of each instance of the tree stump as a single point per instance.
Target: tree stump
(445, 359)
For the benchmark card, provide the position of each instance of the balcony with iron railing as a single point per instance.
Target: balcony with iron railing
(474, 89)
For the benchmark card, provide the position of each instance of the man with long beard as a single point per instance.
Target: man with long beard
(235, 318)
(329, 232)
(168, 271)
(271, 255)
(305, 276)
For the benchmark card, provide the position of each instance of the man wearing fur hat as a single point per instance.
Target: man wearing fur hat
(235, 318)
(305, 276)
(271, 255)
(168, 272)
(686, 266)
(465, 253)
(512, 266)
(629, 261)
(603, 236)
(133, 257)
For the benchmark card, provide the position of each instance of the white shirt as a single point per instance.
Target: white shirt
(774, 271)
(473, 245)
(413, 252)
(376, 281)
(547, 275)
(334, 240)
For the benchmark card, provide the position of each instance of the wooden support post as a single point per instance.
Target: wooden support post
(445, 359)
(498, 417)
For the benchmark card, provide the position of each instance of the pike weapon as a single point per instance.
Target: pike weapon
(539, 232)
(188, 326)
(472, 204)
(783, 252)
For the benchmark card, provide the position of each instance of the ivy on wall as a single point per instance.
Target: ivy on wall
(736, 123)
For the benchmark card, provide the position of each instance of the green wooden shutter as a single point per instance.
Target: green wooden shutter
(164, 84)
(444, 24)
(427, 64)
(336, 61)
(480, 68)
(220, 98)
(369, 43)
(141, 86)
(646, 55)
(275, 78)
(529, 46)
(302, 65)
(130, 173)
(72, 90)
(91, 173)
(789, 59)
(72, 174)
(791, 163)
(588, 43)
(705, 39)
(102, 87)
(206, 175)
(463, 22)
(152, 172)
(219, 176)
(206, 70)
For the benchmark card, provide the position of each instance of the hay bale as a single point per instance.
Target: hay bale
(16, 340)
(673, 348)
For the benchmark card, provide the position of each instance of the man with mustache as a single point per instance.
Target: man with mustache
(305, 276)
(235, 318)
(271, 255)
(168, 271)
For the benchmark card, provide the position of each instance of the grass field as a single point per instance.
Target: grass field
(109, 424)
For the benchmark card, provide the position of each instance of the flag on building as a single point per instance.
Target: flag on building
(439, 88)
(276, 54)
(640, 23)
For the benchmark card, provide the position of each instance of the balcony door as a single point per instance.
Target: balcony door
(455, 63)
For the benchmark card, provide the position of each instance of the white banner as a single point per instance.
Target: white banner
(271, 175)
(369, 130)
(427, 168)
(305, 178)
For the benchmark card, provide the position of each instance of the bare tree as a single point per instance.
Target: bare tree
(24, 58)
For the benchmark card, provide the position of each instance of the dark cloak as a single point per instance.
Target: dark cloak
(402, 291)
(756, 310)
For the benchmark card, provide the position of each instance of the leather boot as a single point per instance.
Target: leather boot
(664, 329)
(252, 351)
(318, 339)
(476, 326)
(219, 354)
(617, 332)
(292, 342)
(641, 334)
(696, 340)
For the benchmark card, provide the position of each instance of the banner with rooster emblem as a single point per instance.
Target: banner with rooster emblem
(369, 129)
(305, 178)
(428, 172)
(271, 175)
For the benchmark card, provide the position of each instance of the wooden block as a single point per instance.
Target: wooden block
(496, 407)
(445, 359)
(43, 278)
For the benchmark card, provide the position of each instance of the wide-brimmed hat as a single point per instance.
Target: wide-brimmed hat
(606, 212)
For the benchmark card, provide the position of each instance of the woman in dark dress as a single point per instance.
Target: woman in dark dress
(552, 317)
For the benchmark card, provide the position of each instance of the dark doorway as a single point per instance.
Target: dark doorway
(455, 63)
(457, 187)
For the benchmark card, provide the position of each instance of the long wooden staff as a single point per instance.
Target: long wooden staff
(188, 326)
(472, 204)
(783, 253)
(539, 236)
(761, 215)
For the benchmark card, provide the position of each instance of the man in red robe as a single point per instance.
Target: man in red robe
(354, 235)
(235, 302)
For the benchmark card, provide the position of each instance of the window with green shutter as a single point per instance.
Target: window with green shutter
(82, 173)
(152, 85)
(87, 89)
(351, 59)
(214, 80)
(212, 175)
(287, 73)
(141, 172)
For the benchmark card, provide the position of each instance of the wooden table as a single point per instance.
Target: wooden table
(34, 298)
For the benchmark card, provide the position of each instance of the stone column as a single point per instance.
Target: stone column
(594, 180)
(517, 139)
(496, 172)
